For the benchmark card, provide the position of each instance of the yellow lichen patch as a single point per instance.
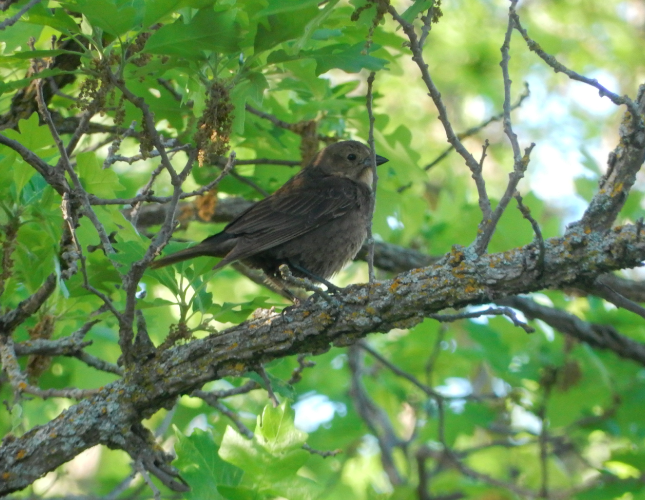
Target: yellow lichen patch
(232, 346)
(237, 367)
(405, 324)
(456, 256)
(395, 284)
(370, 310)
(21, 454)
(305, 314)
(325, 317)
(470, 289)
(587, 230)
(618, 188)
(6, 476)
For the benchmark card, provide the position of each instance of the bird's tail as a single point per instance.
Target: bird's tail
(182, 255)
(218, 245)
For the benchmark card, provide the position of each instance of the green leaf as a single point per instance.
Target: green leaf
(293, 17)
(30, 54)
(156, 10)
(32, 135)
(282, 6)
(55, 18)
(200, 464)
(244, 453)
(19, 84)
(252, 87)
(239, 493)
(612, 489)
(22, 174)
(207, 31)
(232, 312)
(275, 452)
(413, 11)
(296, 487)
(108, 15)
(349, 58)
(96, 180)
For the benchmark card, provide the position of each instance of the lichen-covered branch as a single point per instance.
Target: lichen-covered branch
(399, 303)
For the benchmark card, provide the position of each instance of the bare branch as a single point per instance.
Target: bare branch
(600, 336)
(323, 454)
(491, 311)
(561, 68)
(214, 401)
(53, 177)
(417, 57)
(474, 130)
(374, 417)
(18, 380)
(489, 224)
(536, 229)
(10, 21)
(10, 320)
(609, 294)
(303, 363)
(370, 141)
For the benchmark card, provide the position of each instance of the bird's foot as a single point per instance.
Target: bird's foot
(308, 285)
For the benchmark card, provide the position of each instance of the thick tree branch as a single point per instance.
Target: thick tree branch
(399, 303)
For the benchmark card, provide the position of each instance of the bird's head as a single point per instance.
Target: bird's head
(349, 159)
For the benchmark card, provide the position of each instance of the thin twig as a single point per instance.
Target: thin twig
(18, 380)
(427, 24)
(434, 355)
(116, 145)
(596, 335)
(547, 382)
(481, 126)
(80, 191)
(16, 17)
(609, 294)
(370, 141)
(303, 362)
(561, 68)
(491, 311)
(526, 213)
(435, 95)
(403, 374)
(374, 417)
(520, 163)
(243, 389)
(156, 493)
(323, 454)
(213, 400)
(261, 371)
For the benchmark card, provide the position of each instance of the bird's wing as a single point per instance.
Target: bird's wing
(297, 208)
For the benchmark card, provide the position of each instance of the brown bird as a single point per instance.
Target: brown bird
(315, 223)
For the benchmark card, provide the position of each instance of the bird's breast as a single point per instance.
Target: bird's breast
(367, 177)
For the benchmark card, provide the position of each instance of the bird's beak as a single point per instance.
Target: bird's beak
(380, 160)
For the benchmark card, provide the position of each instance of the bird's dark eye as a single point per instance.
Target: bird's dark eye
(351, 157)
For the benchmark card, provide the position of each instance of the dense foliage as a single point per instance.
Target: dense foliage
(118, 119)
